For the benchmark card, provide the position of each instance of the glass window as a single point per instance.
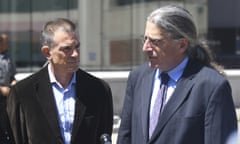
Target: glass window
(22, 20)
(110, 30)
(223, 31)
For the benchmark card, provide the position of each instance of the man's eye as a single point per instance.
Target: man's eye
(155, 41)
(66, 48)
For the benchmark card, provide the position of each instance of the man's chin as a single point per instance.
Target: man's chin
(153, 65)
(72, 69)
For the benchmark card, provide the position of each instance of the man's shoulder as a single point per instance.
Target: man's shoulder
(194, 68)
(141, 72)
(210, 75)
(33, 78)
(86, 80)
(85, 76)
(142, 69)
(82, 74)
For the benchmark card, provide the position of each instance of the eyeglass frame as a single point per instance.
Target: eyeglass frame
(152, 41)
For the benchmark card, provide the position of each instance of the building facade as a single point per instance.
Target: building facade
(110, 30)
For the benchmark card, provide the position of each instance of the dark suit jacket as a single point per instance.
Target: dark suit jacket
(200, 111)
(34, 118)
(6, 136)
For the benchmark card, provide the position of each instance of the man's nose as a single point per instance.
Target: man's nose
(75, 52)
(147, 46)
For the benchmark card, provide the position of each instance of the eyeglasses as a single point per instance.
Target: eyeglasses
(154, 42)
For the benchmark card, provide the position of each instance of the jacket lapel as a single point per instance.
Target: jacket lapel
(79, 114)
(179, 96)
(146, 92)
(177, 99)
(46, 100)
(80, 108)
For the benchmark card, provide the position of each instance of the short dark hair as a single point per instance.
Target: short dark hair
(51, 26)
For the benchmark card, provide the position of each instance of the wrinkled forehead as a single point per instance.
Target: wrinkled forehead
(66, 30)
(154, 31)
(65, 36)
(61, 32)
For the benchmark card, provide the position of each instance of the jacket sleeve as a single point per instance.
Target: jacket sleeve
(16, 118)
(106, 121)
(220, 116)
(124, 133)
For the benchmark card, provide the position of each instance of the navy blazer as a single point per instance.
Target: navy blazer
(33, 113)
(200, 111)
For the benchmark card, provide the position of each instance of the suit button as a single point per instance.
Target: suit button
(6, 134)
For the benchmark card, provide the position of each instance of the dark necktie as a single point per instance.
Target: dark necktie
(159, 103)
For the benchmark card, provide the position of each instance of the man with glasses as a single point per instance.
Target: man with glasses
(181, 95)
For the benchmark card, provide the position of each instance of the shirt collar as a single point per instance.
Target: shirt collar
(53, 78)
(177, 72)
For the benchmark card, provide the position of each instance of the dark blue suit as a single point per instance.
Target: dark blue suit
(200, 111)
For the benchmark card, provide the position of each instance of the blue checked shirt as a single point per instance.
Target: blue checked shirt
(65, 101)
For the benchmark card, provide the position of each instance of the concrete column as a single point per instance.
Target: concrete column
(89, 21)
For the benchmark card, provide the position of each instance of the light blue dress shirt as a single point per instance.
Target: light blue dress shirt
(174, 75)
(65, 101)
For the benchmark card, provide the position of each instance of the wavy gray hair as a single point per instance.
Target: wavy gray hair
(178, 23)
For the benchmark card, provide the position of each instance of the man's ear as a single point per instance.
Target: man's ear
(46, 51)
(183, 44)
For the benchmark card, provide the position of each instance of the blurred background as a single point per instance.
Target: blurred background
(110, 32)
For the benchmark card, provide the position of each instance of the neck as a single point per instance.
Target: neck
(63, 78)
